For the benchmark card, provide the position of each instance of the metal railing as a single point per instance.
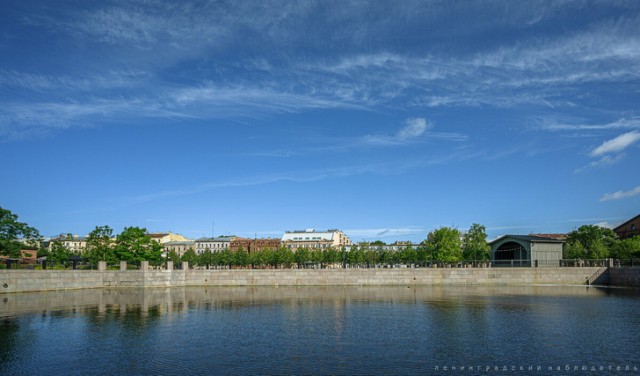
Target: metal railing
(511, 263)
(564, 263)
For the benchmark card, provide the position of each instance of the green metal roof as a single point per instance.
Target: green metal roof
(528, 238)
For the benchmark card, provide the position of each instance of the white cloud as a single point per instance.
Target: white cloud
(617, 144)
(610, 152)
(415, 128)
(621, 194)
(605, 224)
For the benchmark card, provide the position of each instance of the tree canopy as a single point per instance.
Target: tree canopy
(446, 244)
(11, 230)
(590, 242)
(100, 245)
(134, 245)
(474, 243)
(628, 248)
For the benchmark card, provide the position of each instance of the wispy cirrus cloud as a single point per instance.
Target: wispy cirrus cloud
(305, 176)
(160, 37)
(380, 233)
(619, 195)
(555, 125)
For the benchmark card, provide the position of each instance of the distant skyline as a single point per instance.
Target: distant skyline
(385, 119)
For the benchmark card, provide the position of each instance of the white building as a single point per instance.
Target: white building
(313, 239)
(213, 244)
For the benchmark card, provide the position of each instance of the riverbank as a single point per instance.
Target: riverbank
(51, 280)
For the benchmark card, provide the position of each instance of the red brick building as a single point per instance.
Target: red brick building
(255, 245)
(629, 229)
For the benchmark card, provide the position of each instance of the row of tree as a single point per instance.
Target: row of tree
(133, 245)
(445, 244)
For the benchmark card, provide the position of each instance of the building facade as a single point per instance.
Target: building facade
(180, 247)
(166, 237)
(629, 229)
(74, 243)
(526, 251)
(255, 245)
(213, 244)
(313, 239)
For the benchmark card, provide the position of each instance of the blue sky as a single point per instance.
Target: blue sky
(386, 119)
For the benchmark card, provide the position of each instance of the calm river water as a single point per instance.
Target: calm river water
(320, 330)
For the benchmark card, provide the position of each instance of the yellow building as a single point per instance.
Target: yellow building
(74, 243)
(166, 237)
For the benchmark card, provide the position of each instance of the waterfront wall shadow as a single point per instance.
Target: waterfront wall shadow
(51, 280)
(629, 277)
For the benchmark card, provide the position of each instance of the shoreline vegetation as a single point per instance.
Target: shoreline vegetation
(443, 247)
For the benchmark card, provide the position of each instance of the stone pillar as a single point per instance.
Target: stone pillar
(185, 265)
(123, 265)
(144, 265)
(169, 265)
(102, 266)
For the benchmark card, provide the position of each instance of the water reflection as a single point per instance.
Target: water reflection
(153, 302)
(313, 330)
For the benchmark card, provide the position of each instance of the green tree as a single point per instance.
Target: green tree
(474, 244)
(628, 248)
(370, 257)
(596, 242)
(134, 245)
(241, 258)
(190, 257)
(331, 256)
(302, 257)
(409, 255)
(258, 259)
(205, 258)
(173, 256)
(446, 244)
(225, 257)
(573, 250)
(423, 254)
(355, 256)
(100, 245)
(285, 256)
(317, 257)
(11, 230)
(386, 257)
(59, 252)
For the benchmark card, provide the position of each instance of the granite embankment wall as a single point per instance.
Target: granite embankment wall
(47, 280)
(629, 277)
